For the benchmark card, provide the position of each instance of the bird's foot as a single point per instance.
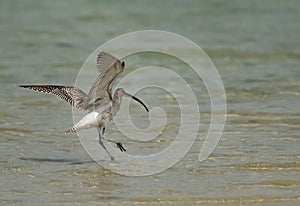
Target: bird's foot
(120, 146)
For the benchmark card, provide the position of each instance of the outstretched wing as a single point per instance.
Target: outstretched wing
(73, 95)
(109, 69)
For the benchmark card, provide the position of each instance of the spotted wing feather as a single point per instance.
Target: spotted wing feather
(73, 95)
(105, 61)
(109, 69)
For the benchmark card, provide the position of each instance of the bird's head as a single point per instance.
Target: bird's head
(121, 92)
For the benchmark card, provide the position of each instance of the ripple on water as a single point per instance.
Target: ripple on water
(264, 166)
(282, 183)
(15, 132)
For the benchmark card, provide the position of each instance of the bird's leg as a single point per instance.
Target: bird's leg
(101, 143)
(103, 131)
(119, 144)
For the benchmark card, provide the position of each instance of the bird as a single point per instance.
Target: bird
(101, 105)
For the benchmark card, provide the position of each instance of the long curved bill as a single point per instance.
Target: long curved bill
(136, 99)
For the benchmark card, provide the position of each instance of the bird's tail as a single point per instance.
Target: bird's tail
(72, 129)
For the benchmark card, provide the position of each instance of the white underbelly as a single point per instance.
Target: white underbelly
(90, 120)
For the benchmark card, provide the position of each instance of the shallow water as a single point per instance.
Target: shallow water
(255, 47)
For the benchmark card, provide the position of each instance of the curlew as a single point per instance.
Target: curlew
(100, 104)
